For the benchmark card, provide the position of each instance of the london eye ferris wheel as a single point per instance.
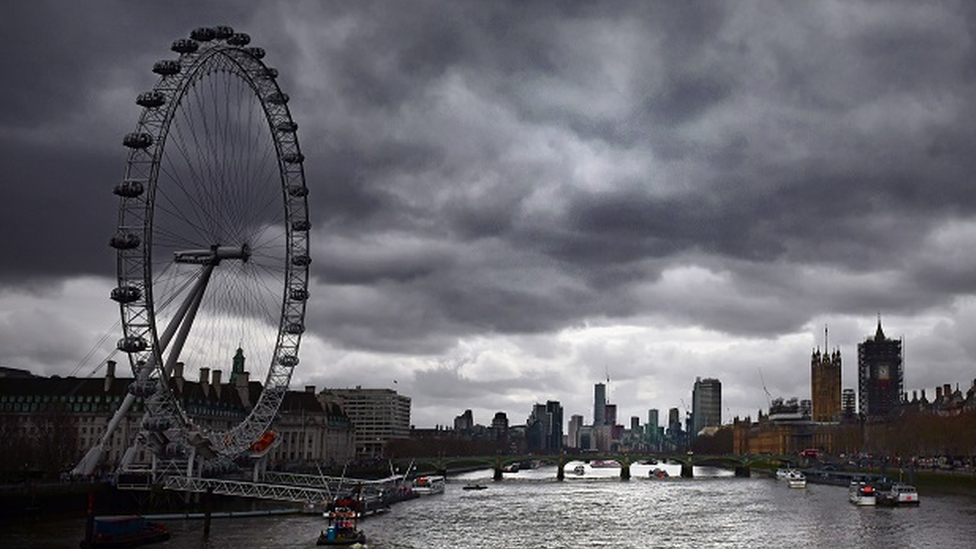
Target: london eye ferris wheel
(212, 240)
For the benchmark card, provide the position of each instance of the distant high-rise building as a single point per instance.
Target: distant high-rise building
(575, 425)
(706, 404)
(464, 422)
(535, 429)
(499, 426)
(610, 415)
(652, 418)
(825, 377)
(880, 376)
(634, 424)
(674, 422)
(599, 404)
(544, 428)
(653, 429)
(848, 403)
(555, 433)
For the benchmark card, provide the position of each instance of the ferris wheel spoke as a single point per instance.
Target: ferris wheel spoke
(200, 210)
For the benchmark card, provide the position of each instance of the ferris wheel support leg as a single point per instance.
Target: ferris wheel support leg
(194, 300)
(88, 463)
(189, 461)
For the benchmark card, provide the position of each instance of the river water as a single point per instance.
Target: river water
(530, 509)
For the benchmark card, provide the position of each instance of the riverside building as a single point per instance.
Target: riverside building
(379, 416)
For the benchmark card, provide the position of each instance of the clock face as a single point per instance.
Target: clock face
(883, 372)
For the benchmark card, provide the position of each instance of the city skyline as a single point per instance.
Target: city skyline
(511, 202)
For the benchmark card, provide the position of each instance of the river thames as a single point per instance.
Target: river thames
(530, 509)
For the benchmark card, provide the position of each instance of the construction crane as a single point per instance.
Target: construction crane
(769, 398)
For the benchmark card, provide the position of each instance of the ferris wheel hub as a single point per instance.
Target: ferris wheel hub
(213, 256)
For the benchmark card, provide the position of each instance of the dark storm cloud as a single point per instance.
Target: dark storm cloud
(823, 146)
(56, 213)
(61, 146)
(520, 168)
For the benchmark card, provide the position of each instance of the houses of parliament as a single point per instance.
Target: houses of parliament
(879, 417)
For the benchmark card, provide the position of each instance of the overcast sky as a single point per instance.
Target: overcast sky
(513, 200)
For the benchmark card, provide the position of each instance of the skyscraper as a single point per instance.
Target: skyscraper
(544, 428)
(610, 416)
(555, 434)
(674, 422)
(825, 370)
(652, 418)
(599, 404)
(575, 426)
(880, 376)
(706, 404)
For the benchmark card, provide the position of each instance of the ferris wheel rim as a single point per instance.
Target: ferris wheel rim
(208, 50)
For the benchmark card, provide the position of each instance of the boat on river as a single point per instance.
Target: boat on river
(429, 485)
(658, 473)
(124, 531)
(784, 473)
(862, 493)
(342, 530)
(897, 495)
(796, 479)
(474, 487)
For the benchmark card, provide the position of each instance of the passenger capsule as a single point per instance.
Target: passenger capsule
(287, 126)
(129, 188)
(288, 360)
(185, 45)
(142, 389)
(137, 140)
(126, 294)
(301, 261)
(203, 34)
(294, 328)
(239, 39)
(255, 52)
(131, 344)
(268, 72)
(126, 241)
(223, 32)
(151, 100)
(298, 294)
(166, 67)
(301, 225)
(293, 157)
(298, 191)
(278, 98)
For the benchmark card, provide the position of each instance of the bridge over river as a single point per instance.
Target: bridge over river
(741, 464)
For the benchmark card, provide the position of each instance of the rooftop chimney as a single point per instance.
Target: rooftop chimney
(178, 376)
(109, 375)
(215, 381)
(205, 380)
(241, 382)
(310, 389)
